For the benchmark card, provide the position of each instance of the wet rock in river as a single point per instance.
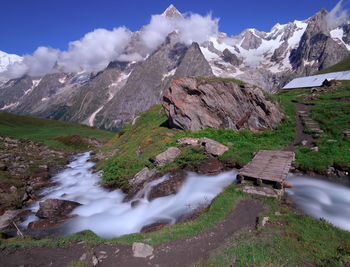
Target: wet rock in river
(51, 208)
(169, 186)
(211, 166)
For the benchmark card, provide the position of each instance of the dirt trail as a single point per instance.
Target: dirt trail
(301, 135)
(181, 252)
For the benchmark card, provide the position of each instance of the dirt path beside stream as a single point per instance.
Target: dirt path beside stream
(182, 252)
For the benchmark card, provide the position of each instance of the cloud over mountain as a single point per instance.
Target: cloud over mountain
(97, 48)
(337, 16)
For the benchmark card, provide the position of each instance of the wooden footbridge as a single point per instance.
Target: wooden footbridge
(268, 166)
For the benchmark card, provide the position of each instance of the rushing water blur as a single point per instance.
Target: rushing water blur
(104, 212)
(321, 199)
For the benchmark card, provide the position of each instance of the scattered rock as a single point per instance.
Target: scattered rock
(144, 175)
(44, 167)
(346, 134)
(135, 203)
(141, 250)
(83, 257)
(332, 141)
(187, 141)
(52, 208)
(331, 170)
(265, 221)
(168, 156)
(212, 147)
(3, 167)
(262, 191)
(94, 260)
(10, 216)
(13, 189)
(191, 104)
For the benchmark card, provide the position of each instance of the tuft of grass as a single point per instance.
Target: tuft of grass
(219, 79)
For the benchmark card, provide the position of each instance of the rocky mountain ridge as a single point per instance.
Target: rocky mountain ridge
(115, 95)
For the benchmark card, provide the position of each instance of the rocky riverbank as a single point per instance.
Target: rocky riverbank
(25, 168)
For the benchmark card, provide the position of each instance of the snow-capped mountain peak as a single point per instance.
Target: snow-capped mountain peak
(172, 12)
(8, 59)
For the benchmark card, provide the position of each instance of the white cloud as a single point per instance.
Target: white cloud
(192, 28)
(93, 52)
(37, 64)
(337, 16)
(96, 49)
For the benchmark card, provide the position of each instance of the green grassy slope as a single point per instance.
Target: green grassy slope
(136, 145)
(47, 131)
(341, 66)
(331, 110)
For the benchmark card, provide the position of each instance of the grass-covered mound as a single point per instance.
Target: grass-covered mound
(56, 134)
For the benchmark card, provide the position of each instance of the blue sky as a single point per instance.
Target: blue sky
(25, 25)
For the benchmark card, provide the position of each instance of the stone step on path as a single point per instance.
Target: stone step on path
(311, 124)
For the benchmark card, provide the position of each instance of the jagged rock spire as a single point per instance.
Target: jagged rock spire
(172, 12)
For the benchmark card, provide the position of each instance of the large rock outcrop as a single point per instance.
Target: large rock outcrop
(194, 104)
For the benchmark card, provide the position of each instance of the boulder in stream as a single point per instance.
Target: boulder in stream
(169, 186)
(51, 208)
(52, 213)
(142, 176)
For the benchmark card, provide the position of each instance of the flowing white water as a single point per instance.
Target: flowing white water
(321, 199)
(103, 211)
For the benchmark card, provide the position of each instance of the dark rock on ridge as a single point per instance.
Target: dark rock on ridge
(214, 103)
(231, 58)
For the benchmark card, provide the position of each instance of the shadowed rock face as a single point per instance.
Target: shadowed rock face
(316, 45)
(195, 105)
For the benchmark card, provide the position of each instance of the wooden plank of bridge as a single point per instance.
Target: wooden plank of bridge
(269, 165)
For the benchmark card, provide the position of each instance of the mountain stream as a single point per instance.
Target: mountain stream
(105, 213)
